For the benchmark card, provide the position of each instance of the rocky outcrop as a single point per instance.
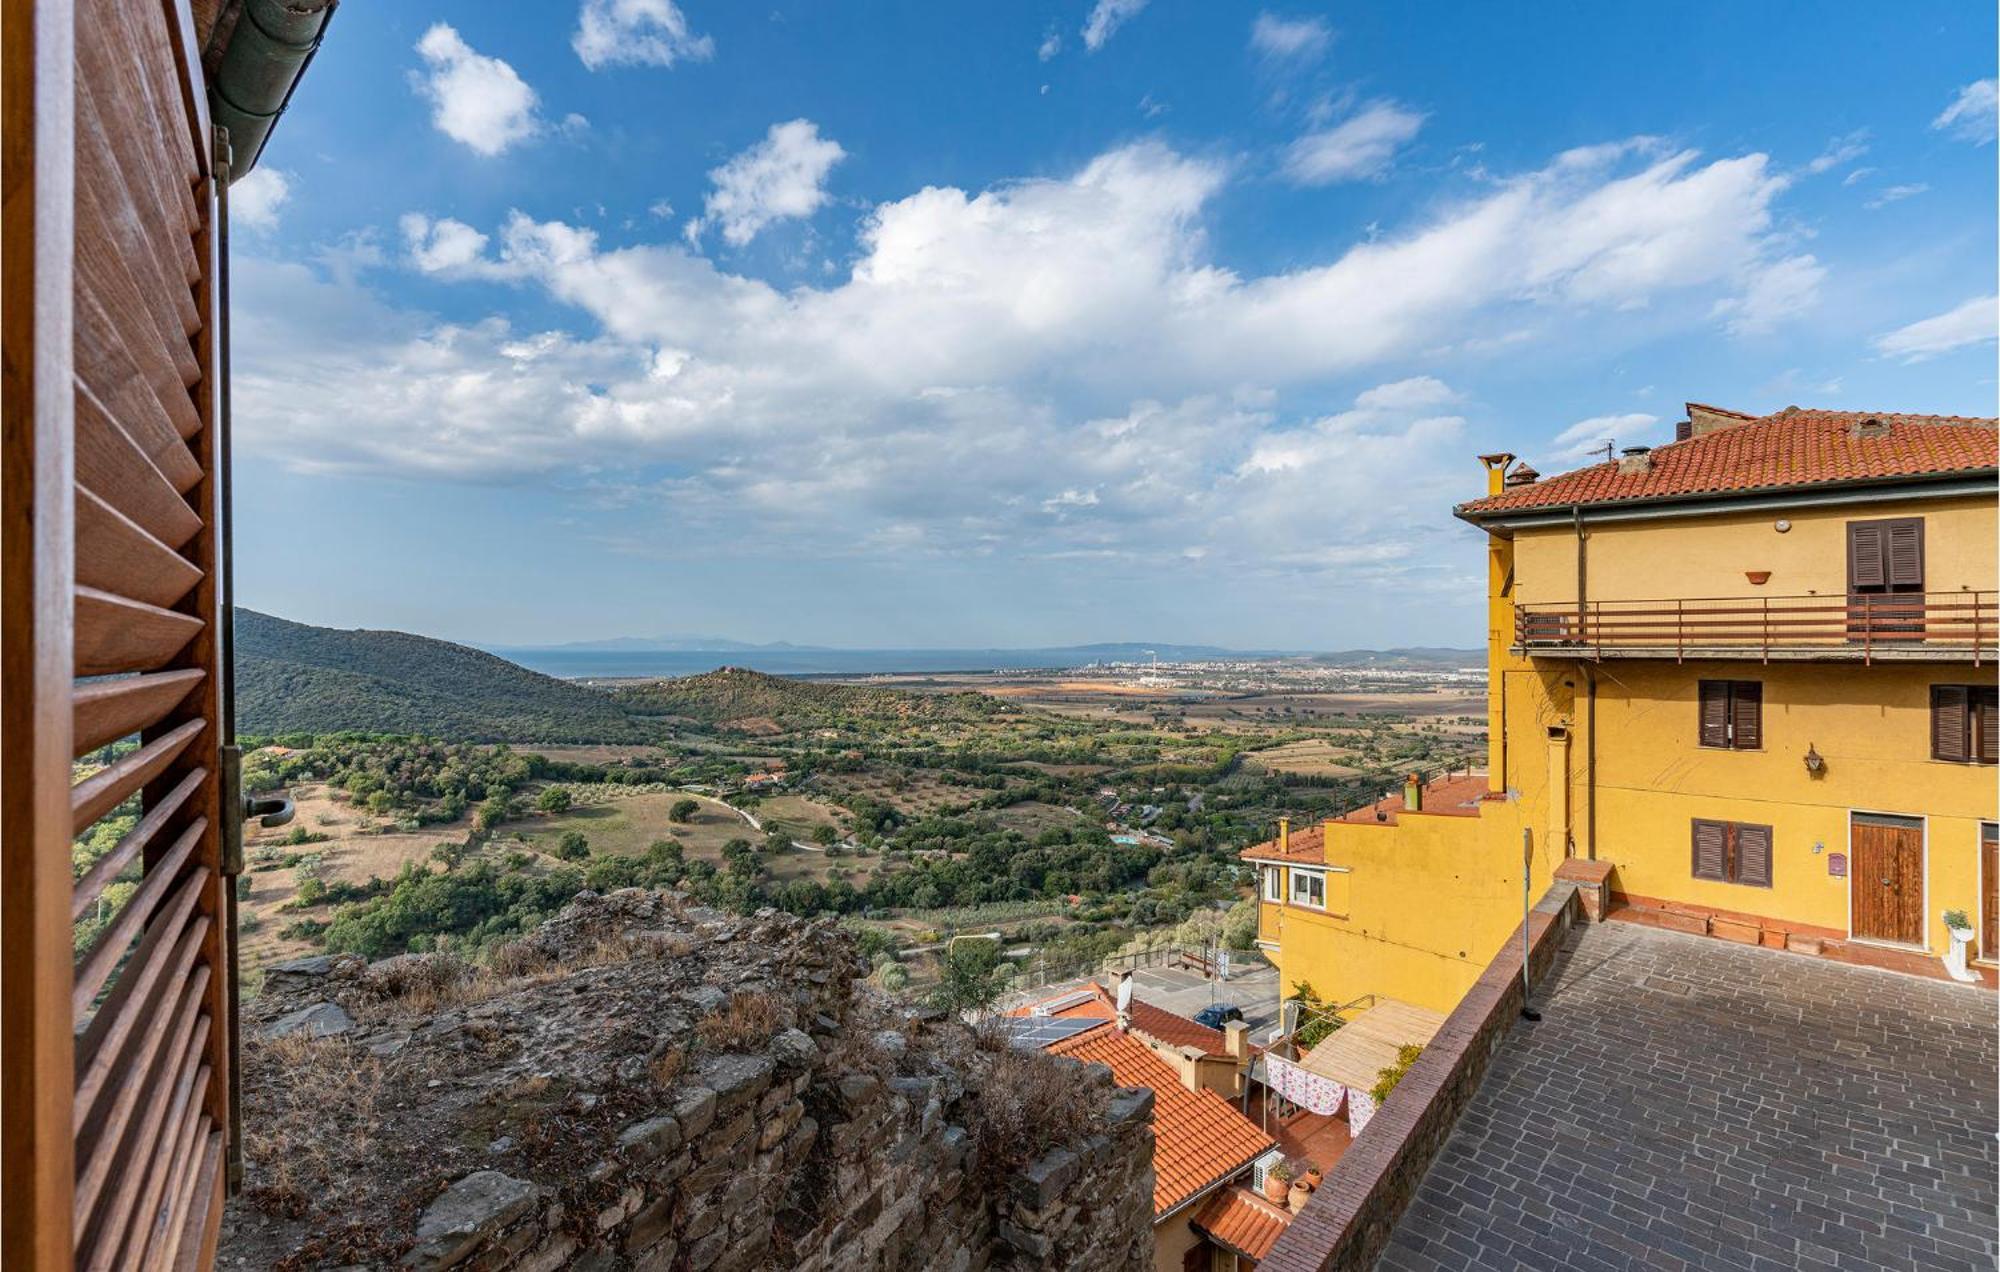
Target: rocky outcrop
(642, 1083)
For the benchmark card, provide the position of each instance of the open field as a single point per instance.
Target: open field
(797, 816)
(630, 825)
(1314, 757)
(913, 794)
(606, 754)
(1033, 818)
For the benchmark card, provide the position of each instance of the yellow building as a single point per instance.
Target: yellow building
(1744, 680)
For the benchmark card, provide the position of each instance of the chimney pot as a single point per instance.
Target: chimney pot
(1522, 475)
(1284, 834)
(1413, 792)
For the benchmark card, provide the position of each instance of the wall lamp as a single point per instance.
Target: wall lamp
(1815, 762)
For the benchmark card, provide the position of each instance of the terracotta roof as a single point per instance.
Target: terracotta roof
(1453, 795)
(1172, 1029)
(1791, 449)
(1199, 1139)
(1242, 1221)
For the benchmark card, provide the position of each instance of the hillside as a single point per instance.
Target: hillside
(294, 678)
(754, 702)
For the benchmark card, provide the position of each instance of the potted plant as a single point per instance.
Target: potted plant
(1959, 928)
(1314, 1177)
(1277, 1181)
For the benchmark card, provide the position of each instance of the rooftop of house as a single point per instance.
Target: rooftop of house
(1101, 1004)
(1788, 450)
(1199, 1138)
(1239, 1220)
(1452, 795)
(1687, 1102)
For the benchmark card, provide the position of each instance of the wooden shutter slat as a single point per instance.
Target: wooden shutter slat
(1710, 850)
(106, 710)
(115, 468)
(95, 967)
(172, 219)
(130, 227)
(1714, 713)
(127, 82)
(113, 1152)
(183, 115)
(197, 1243)
(1867, 558)
(116, 634)
(1984, 719)
(1753, 855)
(1905, 552)
(103, 359)
(138, 317)
(103, 791)
(1746, 714)
(1948, 722)
(115, 554)
(113, 863)
(168, 951)
(136, 1167)
(183, 1192)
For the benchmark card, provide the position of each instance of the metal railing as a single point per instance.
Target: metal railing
(1859, 626)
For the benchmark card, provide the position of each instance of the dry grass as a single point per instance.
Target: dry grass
(747, 1023)
(1029, 1103)
(667, 1069)
(313, 1124)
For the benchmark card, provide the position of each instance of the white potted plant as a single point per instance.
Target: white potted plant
(1959, 928)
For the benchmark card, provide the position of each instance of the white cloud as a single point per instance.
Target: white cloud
(443, 246)
(1858, 175)
(476, 100)
(1896, 194)
(1774, 292)
(1354, 149)
(1050, 46)
(1289, 38)
(1841, 150)
(254, 200)
(1969, 324)
(1970, 117)
(636, 33)
(781, 177)
(1587, 437)
(1106, 16)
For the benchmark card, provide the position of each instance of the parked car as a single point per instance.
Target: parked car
(1216, 1015)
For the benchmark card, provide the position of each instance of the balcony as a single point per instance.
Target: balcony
(1899, 627)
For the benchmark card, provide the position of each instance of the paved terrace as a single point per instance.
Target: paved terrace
(1689, 1103)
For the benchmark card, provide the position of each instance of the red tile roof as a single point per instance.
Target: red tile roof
(1791, 449)
(1199, 1139)
(1453, 795)
(1174, 1030)
(1242, 1221)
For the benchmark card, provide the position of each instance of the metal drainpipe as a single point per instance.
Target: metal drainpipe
(269, 49)
(1590, 759)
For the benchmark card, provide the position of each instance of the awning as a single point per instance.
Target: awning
(1355, 1054)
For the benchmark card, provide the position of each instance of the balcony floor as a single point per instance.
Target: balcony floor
(1927, 653)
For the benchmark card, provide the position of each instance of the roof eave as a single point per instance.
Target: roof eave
(1925, 485)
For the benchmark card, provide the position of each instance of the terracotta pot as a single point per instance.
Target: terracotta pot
(1758, 577)
(1274, 1188)
(1296, 1198)
(1314, 1177)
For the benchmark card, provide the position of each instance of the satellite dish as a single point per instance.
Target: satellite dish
(1125, 993)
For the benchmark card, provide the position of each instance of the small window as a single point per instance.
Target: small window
(1732, 715)
(1309, 888)
(1732, 852)
(1965, 723)
(1274, 887)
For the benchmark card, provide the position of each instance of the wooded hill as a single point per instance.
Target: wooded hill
(755, 702)
(295, 678)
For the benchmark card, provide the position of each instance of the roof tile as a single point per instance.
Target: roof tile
(1242, 1221)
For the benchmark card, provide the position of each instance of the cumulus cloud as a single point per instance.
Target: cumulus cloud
(442, 246)
(1288, 39)
(1970, 117)
(1106, 16)
(254, 200)
(1050, 46)
(1971, 323)
(476, 100)
(1774, 293)
(1354, 149)
(636, 33)
(780, 178)
(1587, 437)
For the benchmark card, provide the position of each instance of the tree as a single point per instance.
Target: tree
(683, 810)
(971, 976)
(556, 799)
(825, 835)
(573, 846)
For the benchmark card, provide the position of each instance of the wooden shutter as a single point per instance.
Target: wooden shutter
(1867, 556)
(1711, 850)
(1746, 715)
(1985, 720)
(1949, 722)
(1989, 890)
(1753, 854)
(1715, 713)
(114, 454)
(1905, 552)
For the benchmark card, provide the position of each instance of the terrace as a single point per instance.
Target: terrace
(1959, 626)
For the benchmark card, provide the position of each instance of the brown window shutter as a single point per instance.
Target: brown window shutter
(1867, 556)
(1710, 850)
(1746, 715)
(1906, 553)
(1949, 712)
(1715, 713)
(1753, 855)
(1985, 704)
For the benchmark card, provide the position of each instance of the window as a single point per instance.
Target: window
(1732, 852)
(1885, 558)
(1309, 888)
(1732, 714)
(1274, 887)
(1965, 723)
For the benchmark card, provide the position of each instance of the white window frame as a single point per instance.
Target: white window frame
(1274, 885)
(1302, 883)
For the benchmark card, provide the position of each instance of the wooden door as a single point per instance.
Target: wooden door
(1989, 891)
(1886, 879)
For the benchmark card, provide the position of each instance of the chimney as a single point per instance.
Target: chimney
(1190, 1067)
(1284, 834)
(1635, 461)
(1413, 792)
(1522, 475)
(1870, 427)
(1236, 1041)
(1704, 419)
(1496, 469)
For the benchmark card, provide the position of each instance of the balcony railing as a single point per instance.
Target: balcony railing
(1901, 626)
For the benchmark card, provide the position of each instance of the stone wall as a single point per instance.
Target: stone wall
(653, 1085)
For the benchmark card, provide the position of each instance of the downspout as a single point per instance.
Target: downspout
(272, 44)
(1590, 761)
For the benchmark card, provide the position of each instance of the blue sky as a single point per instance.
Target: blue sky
(1027, 323)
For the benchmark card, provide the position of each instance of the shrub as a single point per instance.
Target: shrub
(1386, 1079)
(573, 846)
(1030, 1102)
(683, 810)
(746, 1024)
(555, 799)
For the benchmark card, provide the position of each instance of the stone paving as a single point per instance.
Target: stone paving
(1690, 1103)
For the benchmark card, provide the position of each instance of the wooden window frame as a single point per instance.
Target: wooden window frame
(1978, 729)
(1732, 859)
(1732, 693)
